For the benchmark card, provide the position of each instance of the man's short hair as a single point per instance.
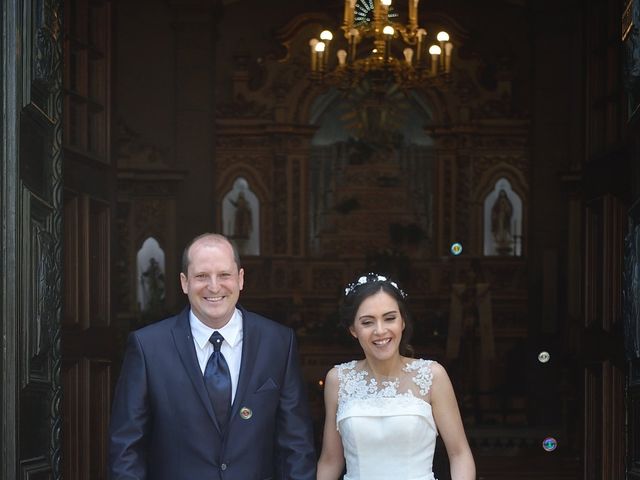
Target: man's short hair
(217, 237)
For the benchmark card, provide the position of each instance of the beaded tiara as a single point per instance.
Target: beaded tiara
(370, 278)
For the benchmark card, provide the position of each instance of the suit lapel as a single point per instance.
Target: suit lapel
(250, 340)
(184, 344)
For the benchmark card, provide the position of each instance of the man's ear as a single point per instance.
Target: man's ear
(184, 283)
(241, 278)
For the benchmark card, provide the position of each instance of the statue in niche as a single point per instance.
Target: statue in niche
(501, 214)
(243, 218)
(374, 114)
(152, 281)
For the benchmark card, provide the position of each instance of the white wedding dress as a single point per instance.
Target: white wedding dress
(387, 429)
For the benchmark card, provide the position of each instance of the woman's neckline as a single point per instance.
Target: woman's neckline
(391, 373)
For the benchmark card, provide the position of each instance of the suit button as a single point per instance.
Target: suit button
(223, 467)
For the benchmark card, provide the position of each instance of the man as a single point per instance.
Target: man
(214, 392)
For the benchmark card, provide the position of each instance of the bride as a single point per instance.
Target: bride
(383, 413)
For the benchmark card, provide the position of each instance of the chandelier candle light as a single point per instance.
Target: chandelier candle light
(381, 37)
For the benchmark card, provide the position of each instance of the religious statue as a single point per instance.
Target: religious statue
(243, 221)
(501, 214)
(152, 280)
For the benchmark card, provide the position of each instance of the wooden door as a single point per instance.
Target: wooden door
(31, 238)
(604, 372)
(89, 186)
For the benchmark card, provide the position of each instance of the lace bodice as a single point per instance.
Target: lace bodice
(356, 384)
(387, 427)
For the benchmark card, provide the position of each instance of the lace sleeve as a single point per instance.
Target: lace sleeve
(423, 375)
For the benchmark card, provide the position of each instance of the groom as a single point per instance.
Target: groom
(214, 392)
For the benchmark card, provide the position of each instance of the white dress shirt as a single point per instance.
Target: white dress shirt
(231, 347)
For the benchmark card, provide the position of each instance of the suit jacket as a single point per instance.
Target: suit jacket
(163, 426)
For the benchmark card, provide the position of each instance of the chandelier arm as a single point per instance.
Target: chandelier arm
(413, 15)
(349, 14)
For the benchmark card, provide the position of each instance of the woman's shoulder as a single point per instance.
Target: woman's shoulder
(437, 370)
(424, 365)
(349, 372)
(346, 366)
(332, 379)
(423, 372)
(415, 364)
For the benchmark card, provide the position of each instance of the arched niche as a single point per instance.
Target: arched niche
(150, 270)
(365, 113)
(371, 171)
(502, 221)
(241, 217)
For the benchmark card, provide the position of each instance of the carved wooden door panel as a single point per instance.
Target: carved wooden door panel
(87, 330)
(631, 48)
(632, 337)
(31, 238)
(604, 376)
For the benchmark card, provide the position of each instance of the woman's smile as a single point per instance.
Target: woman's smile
(378, 327)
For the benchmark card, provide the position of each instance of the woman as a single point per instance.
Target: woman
(383, 413)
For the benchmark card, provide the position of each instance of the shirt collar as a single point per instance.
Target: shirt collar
(232, 331)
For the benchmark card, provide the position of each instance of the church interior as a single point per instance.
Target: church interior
(497, 179)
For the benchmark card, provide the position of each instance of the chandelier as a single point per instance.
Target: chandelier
(380, 48)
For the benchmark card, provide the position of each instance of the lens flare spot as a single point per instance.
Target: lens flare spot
(456, 248)
(549, 444)
(544, 357)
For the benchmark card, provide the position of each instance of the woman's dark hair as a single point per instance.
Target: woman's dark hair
(366, 286)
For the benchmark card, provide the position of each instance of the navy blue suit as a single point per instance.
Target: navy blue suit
(163, 426)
